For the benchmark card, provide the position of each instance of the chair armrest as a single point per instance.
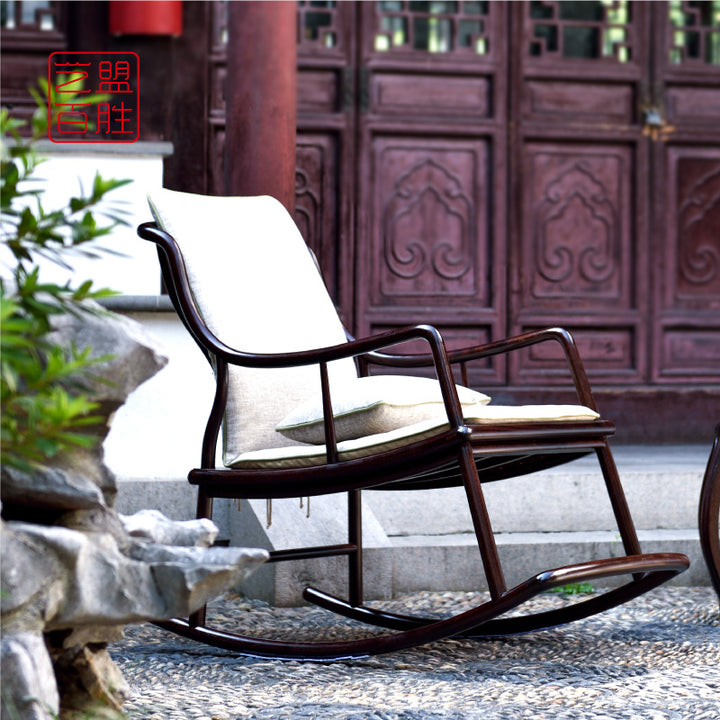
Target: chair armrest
(322, 356)
(438, 358)
(499, 347)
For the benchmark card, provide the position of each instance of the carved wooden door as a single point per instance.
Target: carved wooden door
(580, 231)
(684, 110)
(616, 229)
(494, 167)
(432, 144)
(325, 180)
(326, 149)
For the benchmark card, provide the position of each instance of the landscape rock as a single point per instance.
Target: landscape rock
(28, 680)
(88, 671)
(55, 488)
(74, 571)
(153, 525)
(131, 355)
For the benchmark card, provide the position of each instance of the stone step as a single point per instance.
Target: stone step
(662, 485)
(454, 558)
(424, 540)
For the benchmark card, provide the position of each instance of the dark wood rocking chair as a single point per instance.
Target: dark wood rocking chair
(247, 289)
(708, 510)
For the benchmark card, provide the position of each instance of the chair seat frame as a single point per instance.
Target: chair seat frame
(462, 454)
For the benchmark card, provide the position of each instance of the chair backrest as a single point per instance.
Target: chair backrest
(258, 290)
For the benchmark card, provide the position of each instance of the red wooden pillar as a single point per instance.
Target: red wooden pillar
(261, 97)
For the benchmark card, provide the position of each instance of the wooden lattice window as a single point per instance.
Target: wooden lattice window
(695, 36)
(317, 23)
(585, 30)
(28, 15)
(32, 26)
(435, 27)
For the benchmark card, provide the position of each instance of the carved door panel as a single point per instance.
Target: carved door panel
(617, 179)
(579, 238)
(686, 153)
(431, 156)
(324, 179)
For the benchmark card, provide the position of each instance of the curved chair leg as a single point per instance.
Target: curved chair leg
(708, 513)
(651, 569)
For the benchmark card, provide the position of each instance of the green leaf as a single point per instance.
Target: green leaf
(46, 407)
(82, 292)
(28, 222)
(77, 204)
(101, 186)
(574, 589)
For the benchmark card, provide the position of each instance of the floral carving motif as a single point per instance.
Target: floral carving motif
(576, 231)
(698, 236)
(428, 226)
(306, 206)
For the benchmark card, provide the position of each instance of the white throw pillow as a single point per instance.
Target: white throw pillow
(375, 404)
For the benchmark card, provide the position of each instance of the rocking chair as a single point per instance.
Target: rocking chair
(301, 416)
(708, 521)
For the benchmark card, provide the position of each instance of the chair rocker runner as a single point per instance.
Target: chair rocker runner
(298, 419)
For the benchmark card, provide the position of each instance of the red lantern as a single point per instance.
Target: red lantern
(145, 17)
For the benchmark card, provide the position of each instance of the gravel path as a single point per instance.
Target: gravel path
(655, 658)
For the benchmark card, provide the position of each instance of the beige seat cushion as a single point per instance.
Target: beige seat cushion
(258, 290)
(312, 455)
(532, 413)
(373, 405)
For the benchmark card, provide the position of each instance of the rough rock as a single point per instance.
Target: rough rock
(187, 577)
(153, 525)
(30, 583)
(88, 671)
(131, 354)
(126, 357)
(74, 572)
(28, 682)
(55, 488)
(101, 585)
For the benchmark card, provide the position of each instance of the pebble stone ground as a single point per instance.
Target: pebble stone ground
(655, 658)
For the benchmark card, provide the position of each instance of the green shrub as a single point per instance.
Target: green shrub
(45, 407)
